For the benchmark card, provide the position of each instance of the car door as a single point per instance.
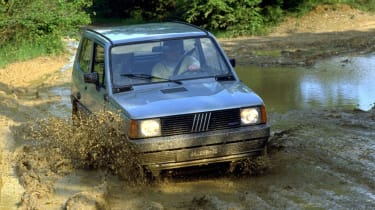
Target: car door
(91, 96)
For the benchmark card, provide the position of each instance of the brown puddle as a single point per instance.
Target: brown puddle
(345, 82)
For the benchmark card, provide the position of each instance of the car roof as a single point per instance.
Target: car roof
(145, 32)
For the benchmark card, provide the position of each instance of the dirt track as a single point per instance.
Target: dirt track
(317, 159)
(325, 32)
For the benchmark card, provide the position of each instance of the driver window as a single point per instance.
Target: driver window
(85, 56)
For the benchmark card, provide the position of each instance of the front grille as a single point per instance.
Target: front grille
(200, 122)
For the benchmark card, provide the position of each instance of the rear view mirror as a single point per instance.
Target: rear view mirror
(92, 77)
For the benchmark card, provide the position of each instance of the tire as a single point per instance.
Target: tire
(76, 118)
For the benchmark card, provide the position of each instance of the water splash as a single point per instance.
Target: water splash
(99, 142)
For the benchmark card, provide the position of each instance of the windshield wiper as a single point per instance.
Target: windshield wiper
(122, 89)
(138, 76)
(224, 77)
(149, 77)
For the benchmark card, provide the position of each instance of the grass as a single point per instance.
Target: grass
(24, 51)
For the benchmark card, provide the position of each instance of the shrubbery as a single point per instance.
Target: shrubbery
(29, 28)
(238, 17)
(38, 26)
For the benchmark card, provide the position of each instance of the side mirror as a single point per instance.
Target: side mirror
(232, 62)
(92, 77)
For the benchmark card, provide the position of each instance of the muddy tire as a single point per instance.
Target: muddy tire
(256, 165)
(76, 116)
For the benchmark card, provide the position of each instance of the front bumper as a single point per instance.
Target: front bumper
(196, 149)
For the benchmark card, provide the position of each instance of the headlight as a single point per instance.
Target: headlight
(145, 128)
(250, 116)
(150, 128)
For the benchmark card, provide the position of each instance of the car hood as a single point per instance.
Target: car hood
(189, 97)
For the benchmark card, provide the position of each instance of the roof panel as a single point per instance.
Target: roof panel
(150, 31)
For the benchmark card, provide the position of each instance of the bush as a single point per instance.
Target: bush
(40, 23)
(240, 17)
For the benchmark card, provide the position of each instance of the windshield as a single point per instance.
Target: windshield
(166, 61)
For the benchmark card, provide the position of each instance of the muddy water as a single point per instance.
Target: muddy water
(346, 82)
(325, 162)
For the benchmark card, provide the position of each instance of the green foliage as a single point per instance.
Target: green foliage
(249, 18)
(40, 23)
(235, 17)
(213, 14)
(240, 17)
(135, 10)
(273, 14)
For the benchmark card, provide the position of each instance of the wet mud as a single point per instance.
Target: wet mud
(316, 159)
(328, 30)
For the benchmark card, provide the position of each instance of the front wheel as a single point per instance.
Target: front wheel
(256, 165)
(76, 115)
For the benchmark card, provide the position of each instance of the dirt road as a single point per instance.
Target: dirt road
(317, 159)
(324, 32)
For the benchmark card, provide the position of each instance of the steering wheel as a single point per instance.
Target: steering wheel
(175, 71)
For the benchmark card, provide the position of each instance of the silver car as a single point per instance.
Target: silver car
(193, 112)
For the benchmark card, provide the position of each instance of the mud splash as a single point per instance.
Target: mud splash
(51, 148)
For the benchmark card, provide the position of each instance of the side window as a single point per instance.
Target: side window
(99, 63)
(85, 55)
